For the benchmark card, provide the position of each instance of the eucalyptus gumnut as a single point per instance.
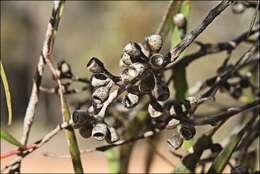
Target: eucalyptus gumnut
(179, 20)
(64, 69)
(161, 91)
(95, 65)
(133, 71)
(100, 94)
(130, 100)
(99, 131)
(155, 109)
(157, 61)
(154, 42)
(175, 141)
(98, 80)
(147, 84)
(112, 135)
(187, 131)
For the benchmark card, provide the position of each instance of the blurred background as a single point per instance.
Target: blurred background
(88, 29)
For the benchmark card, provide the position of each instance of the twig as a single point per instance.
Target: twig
(45, 54)
(38, 144)
(213, 119)
(190, 37)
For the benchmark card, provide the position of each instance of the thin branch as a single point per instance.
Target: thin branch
(213, 119)
(190, 37)
(38, 144)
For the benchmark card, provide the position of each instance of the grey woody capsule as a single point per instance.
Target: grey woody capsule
(65, 69)
(79, 117)
(147, 84)
(161, 91)
(155, 109)
(132, 72)
(173, 123)
(179, 20)
(112, 135)
(157, 61)
(172, 111)
(187, 131)
(98, 80)
(99, 131)
(130, 100)
(145, 49)
(133, 49)
(175, 142)
(240, 169)
(125, 60)
(154, 42)
(238, 8)
(95, 65)
(86, 131)
(100, 94)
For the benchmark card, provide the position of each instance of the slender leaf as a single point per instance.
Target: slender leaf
(222, 159)
(9, 138)
(113, 161)
(72, 140)
(7, 94)
(179, 77)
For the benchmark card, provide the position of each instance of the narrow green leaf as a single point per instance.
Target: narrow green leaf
(113, 161)
(7, 94)
(222, 159)
(179, 78)
(71, 139)
(9, 138)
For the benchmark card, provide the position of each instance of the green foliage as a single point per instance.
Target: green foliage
(224, 156)
(9, 138)
(71, 137)
(7, 94)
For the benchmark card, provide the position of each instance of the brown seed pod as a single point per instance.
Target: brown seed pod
(65, 69)
(133, 71)
(154, 42)
(100, 94)
(157, 61)
(112, 135)
(86, 131)
(147, 83)
(179, 20)
(175, 142)
(130, 100)
(240, 169)
(161, 91)
(98, 80)
(155, 109)
(95, 65)
(238, 8)
(187, 131)
(125, 60)
(173, 123)
(99, 131)
(133, 49)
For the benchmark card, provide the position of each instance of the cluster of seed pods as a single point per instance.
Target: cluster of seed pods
(141, 76)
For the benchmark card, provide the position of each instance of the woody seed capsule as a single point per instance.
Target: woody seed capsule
(100, 94)
(112, 135)
(147, 83)
(173, 123)
(95, 65)
(161, 91)
(133, 49)
(80, 117)
(86, 131)
(130, 100)
(187, 131)
(157, 61)
(99, 131)
(179, 20)
(132, 72)
(154, 42)
(175, 141)
(98, 80)
(125, 60)
(65, 69)
(155, 109)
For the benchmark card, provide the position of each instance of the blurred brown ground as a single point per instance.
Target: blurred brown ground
(93, 29)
